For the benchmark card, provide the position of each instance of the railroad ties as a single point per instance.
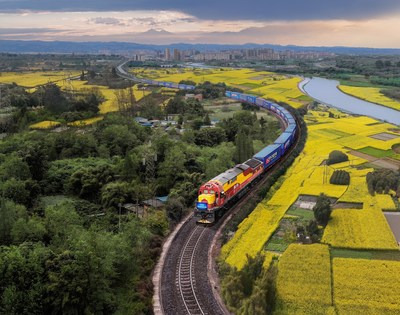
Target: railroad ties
(185, 279)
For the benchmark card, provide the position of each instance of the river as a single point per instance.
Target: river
(326, 92)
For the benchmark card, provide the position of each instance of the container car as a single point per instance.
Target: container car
(269, 155)
(284, 140)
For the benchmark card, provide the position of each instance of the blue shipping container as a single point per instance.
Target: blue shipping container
(269, 155)
(290, 128)
(235, 95)
(284, 140)
(266, 104)
(251, 99)
(259, 101)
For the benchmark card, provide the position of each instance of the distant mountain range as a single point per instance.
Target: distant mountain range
(20, 46)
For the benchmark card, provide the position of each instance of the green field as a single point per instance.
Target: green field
(376, 152)
(365, 254)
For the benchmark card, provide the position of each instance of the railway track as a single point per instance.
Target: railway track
(186, 281)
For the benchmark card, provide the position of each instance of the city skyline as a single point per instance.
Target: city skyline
(363, 23)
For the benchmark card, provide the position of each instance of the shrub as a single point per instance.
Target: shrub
(340, 177)
(336, 157)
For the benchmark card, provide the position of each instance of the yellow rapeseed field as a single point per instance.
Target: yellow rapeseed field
(85, 122)
(304, 280)
(110, 104)
(32, 79)
(366, 286)
(274, 87)
(47, 124)
(370, 94)
(366, 228)
(285, 90)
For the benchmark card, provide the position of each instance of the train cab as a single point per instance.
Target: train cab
(210, 196)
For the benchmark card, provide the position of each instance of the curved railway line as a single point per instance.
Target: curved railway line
(181, 278)
(185, 273)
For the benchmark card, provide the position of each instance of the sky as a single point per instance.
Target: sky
(362, 23)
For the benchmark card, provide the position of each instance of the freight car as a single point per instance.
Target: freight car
(218, 194)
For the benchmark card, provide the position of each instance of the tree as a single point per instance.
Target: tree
(232, 291)
(244, 147)
(175, 209)
(87, 183)
(14, 168)
(336, 157)
(16, 190)
(9, 213)
(25, 293)
(52, 98)
(28, 230)
(114, 193)
(322, 210)
(379, 64)
(207, 120)
(210, 136)
(175, 106)
(197, 124)
(118, 139)
(340, 177)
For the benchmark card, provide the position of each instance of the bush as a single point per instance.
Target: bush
(340, 177)
(322, 210)
(336, 157)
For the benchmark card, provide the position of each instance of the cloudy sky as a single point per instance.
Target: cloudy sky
(368, 23)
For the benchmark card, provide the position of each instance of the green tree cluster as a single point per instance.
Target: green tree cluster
(322, 210)
(340, 177)
(337, 157)
(251, 290)
(382, 181)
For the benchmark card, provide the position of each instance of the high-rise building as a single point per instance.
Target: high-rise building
(177, 54)
(167, 54)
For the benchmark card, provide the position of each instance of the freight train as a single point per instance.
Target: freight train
(218, 194)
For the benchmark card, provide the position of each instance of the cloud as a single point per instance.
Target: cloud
(224, 9)
(106, 21)
(302, 33)
(26, 31)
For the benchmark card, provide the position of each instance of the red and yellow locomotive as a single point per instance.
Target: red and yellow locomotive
(224, 189)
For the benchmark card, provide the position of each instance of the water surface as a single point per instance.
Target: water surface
(326, 91)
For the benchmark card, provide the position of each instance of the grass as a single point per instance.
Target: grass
(376, 152)
(303, 214)
(277, 244)
(365, 254)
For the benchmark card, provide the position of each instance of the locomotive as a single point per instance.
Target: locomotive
(221, 192)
